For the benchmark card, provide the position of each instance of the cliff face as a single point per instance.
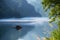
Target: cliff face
(17, 9)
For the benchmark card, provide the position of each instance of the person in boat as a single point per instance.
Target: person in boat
(18, 27)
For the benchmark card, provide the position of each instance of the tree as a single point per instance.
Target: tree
(54, 16)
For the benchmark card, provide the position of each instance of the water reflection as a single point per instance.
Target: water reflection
(12, 33)
(41, 27)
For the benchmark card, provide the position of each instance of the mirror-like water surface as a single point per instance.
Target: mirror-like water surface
(32, 28)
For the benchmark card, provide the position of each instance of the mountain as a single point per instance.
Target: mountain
(16, 9)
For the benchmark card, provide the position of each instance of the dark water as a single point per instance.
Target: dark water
(8, 32)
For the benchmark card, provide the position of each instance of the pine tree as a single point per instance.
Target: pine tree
(54, 16)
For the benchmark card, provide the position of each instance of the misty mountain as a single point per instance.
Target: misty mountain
(12, 9)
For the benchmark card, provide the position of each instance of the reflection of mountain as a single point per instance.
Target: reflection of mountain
(12, 9)
(10, 33)
(41, 28)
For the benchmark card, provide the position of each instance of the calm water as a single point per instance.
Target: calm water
(30, 31)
